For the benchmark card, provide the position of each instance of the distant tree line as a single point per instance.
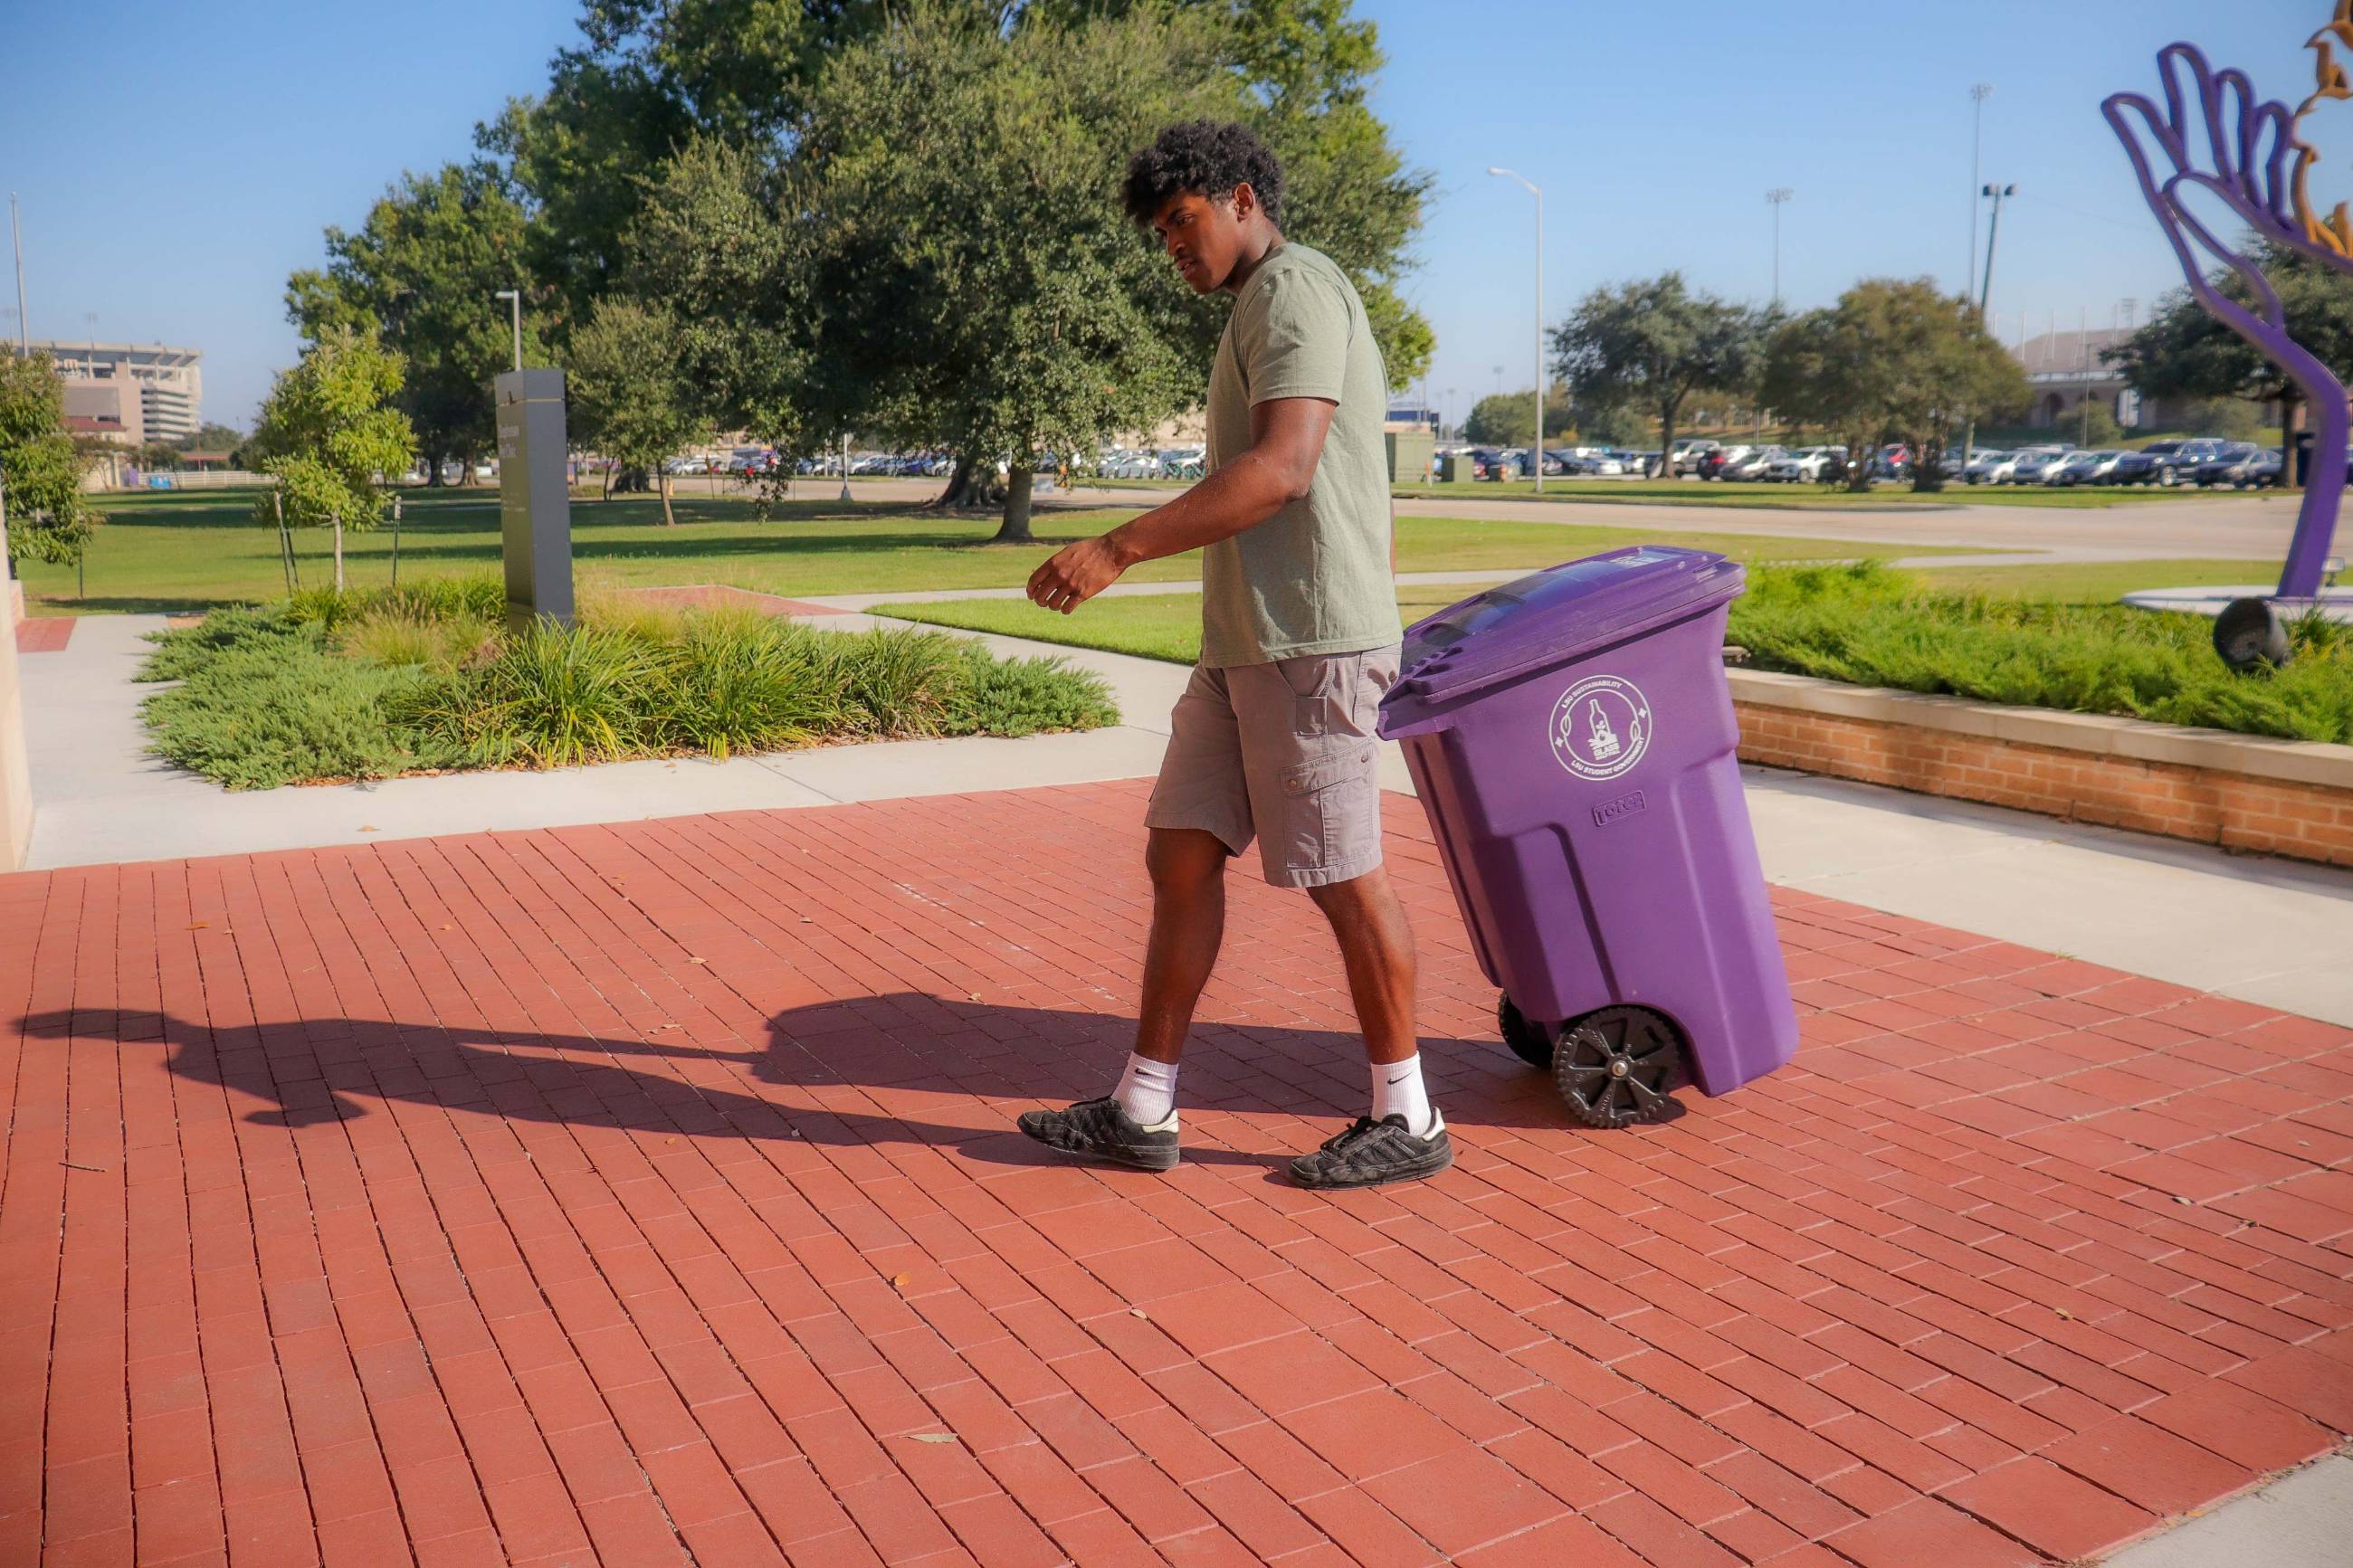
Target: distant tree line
(897, 217)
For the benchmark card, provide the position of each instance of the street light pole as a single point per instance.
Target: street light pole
(1535, 460)
(1978, 95)
(1985, 291)
(17, 232)
(1776, 198)
(513, 297)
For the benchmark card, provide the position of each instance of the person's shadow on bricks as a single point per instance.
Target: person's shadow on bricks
(859, 1071)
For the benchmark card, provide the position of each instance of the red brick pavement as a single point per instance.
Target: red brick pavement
(49, 634)
(622, 1193)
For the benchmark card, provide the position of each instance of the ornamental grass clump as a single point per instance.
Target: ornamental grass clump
(336, 685)
(1867, 624)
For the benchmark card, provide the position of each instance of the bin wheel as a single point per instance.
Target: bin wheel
(1615, 1067)
(1530, 1041)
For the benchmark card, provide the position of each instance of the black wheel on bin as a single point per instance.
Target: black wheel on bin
(1614, 1066)
(1530, 1041)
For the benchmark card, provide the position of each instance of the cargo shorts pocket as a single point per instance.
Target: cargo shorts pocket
(1318, 706)
(1317, 801)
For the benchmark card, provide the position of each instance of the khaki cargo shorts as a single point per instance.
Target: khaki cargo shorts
(1283, 753)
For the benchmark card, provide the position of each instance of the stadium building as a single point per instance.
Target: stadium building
(135, 392)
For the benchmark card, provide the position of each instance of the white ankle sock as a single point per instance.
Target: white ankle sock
(1147, 1090)
(1398, 1091)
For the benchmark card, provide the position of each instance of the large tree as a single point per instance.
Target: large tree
(212, 437)
(1651, 343)
(1893, 357)
(423, 273)
(49, 515)
(631, 398)
(2185, 350)
(331, 434)
(649, 77)
(1509, 419)
(960, 192)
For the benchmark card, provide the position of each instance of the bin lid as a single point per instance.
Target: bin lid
(1551, 616)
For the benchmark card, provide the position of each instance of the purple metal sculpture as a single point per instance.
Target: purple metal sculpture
(2240, 155)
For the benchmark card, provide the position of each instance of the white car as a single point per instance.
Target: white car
(1752, 464)
(1805, 465)
(1990, 468)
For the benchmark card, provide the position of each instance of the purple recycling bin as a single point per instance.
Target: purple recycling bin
(1572, 738)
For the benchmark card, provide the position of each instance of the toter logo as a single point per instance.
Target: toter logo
(1601, 727)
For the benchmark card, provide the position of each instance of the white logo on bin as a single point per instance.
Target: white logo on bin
(1601, 727)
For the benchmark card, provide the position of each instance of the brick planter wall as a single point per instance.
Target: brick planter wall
(2280, 797)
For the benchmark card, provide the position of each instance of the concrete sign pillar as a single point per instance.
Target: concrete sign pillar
(535, 497)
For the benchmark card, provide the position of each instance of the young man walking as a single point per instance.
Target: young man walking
(1273, 737)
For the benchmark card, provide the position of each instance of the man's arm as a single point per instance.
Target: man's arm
(1286, 442)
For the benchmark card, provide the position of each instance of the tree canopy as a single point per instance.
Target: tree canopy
(991, 295)
(2185, 350)
(1653, 342)
(331, 434)
(630, 397)
(1893, 357)
(422, 274)
(1509, 419)
(49, 515)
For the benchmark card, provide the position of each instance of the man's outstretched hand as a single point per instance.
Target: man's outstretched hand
(1076, 573)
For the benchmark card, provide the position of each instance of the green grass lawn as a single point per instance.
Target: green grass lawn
(196, 550)
(1871, 628)
(2095, 582)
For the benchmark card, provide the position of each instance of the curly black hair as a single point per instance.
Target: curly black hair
(1208, 158)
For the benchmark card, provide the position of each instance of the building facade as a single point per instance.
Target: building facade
(2068, 370)
(150, 392)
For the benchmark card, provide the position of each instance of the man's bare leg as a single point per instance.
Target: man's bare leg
(1377, 947)
(1188, 922)
(1137, 1123)
(1404, 1139)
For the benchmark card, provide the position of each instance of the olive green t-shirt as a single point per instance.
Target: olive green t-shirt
(1315, 577)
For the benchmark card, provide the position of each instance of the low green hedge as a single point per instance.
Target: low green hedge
(1872, 627)
(329, 687)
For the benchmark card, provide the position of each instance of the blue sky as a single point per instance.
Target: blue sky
(176, 162)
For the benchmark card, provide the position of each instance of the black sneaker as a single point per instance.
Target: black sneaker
(1371, 1153)
(1098, 1127)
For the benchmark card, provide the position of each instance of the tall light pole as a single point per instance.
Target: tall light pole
(1985, 291)
(1776, 198)
(1978, 95)
(1536, 459)
(513, 297)
(17, 232)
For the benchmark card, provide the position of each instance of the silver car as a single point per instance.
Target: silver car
(2033, 467)
(2083, 469)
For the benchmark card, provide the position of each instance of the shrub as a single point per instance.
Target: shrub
(742, 682)
(1872, 627)
(266, 708)
(365, 686)
(550, 699)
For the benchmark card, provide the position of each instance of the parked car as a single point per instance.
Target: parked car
(1807, 464)
(2212, 470)
(2083, 469)
(2258, 468)
(1753, 463)
(1893, 462)
(2167, 463)
(1596, 462)
(1990, 467)
(2035, 468)
(1686, 454)
(1712, 464)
